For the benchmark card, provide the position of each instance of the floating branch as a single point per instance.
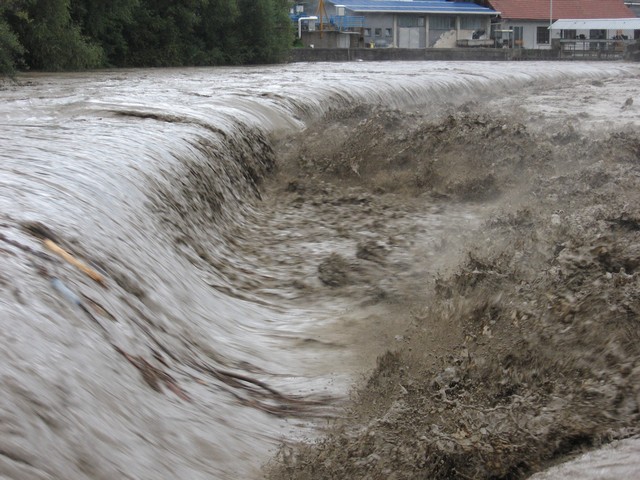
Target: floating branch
(153, 375)
(261, 395)
(51, 241)
(80, 265)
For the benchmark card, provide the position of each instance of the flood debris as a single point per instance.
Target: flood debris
(153, 375)
(334, 270)
(525, 350)
(52, 242)
(80, 265)
(66, 292)
(259, 395)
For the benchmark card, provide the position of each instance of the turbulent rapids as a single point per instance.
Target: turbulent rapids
(178, 298)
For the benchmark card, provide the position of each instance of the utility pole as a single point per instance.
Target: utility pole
(321, 13)
(550, 21)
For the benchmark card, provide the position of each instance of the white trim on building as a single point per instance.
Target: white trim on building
(611, 24)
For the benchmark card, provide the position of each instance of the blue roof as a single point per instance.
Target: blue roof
(414, 6)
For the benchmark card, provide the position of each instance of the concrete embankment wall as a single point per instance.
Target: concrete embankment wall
(409, 54)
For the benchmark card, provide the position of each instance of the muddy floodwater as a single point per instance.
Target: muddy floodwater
(197, 266)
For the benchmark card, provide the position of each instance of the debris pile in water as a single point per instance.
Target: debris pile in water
(541, 317)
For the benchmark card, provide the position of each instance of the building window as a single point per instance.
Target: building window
(468, 22)
(410, 21)
(441, 22)
(569, 34)
(542, 35)
(388, 32)
(378, 32)
(367, 32)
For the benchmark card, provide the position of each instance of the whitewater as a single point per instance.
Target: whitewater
(192, 355)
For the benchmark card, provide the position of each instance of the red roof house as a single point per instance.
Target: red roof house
(525, 23)
(541, 9)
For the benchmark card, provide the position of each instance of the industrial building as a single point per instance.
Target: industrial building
(419, 24)
(394, 23)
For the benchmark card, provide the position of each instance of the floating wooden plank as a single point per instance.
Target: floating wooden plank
(79, 264)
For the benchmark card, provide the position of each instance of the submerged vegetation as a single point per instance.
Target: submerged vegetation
(56, 35)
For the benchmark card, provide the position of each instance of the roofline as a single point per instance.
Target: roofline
(619, 19)
(514, 19)
(425, 11)
(613, 23)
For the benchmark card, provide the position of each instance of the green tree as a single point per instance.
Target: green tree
(76, 34)
(217, 31)
(104, 22)
(50, 38)
(11, 50)
(266, 30)
(163, 33)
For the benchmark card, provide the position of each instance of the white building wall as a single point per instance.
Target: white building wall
(529, 33)
(529, 36)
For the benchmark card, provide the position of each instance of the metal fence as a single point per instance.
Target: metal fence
(592, 48)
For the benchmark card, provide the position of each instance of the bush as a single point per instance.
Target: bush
(10, 49)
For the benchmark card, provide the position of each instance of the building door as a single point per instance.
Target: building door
(518, 36)
(409, 37)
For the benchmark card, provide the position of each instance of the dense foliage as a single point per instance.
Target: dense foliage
(77, 34)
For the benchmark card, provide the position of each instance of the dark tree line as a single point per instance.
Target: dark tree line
(78, 34)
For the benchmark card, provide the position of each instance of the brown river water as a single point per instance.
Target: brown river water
(191, 352)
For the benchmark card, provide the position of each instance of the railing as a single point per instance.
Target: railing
(592, 47)
(337, 23)
(346, 22)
